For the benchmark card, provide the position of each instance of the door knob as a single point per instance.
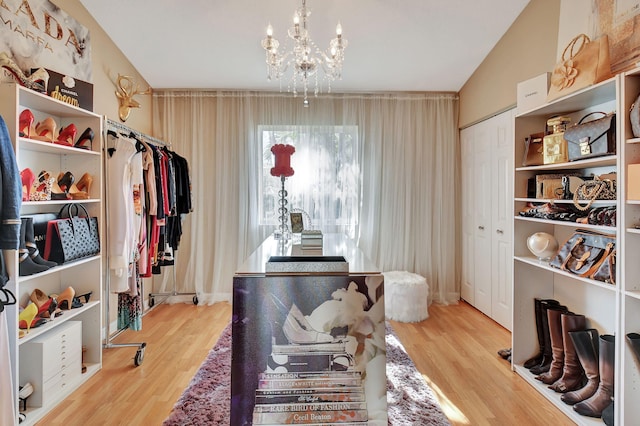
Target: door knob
(481, 228)
(499, 231)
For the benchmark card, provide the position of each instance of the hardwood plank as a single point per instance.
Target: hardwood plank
(455, 349)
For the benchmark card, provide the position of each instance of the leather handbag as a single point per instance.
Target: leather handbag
(634, 118)
(584, 253)
(533, 150)
(71, 237)
(40, 222)
(603, 187)
(593, 138)
(583, 63)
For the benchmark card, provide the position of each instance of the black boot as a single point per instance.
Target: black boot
(547, 354)
(27, 266)
(633, 339)
(537, 360)
(594, 406)
(29, 242)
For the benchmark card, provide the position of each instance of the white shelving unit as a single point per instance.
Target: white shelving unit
(85, 275)
(599, 302)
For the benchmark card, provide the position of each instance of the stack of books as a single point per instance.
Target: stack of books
(311, 240)
(314, 397)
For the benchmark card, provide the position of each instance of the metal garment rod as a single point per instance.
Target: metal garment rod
(117, 126)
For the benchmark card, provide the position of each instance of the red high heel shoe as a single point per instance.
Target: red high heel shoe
(45, 130)
(27, 178)
(67, 135)
(26, 124)
(86, 136)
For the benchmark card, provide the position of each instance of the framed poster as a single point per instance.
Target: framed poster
(308, 349)
(38, 34)
(620, 21)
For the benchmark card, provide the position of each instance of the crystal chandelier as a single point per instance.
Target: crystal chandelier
(305, 57)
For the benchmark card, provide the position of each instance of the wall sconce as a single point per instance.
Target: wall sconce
(126, 90)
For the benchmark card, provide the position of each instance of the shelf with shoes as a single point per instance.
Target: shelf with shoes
(536, 279)
(58, 149)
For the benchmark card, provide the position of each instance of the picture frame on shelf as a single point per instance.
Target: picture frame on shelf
(297, 226)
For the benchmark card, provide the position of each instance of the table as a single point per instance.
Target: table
(308, 347)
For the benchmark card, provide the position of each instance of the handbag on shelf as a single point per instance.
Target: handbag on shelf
(554, 144)
(533, 150)
(71, 237)
(584, 253)
(603, 187)
(634, 118)
(593, 138)
(584, 62)
(40, 221)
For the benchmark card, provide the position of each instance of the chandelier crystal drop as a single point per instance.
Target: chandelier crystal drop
(304, 58)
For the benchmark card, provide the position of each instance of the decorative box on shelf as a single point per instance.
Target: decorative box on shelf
(311, 239)
(532, 93)
(70, 90)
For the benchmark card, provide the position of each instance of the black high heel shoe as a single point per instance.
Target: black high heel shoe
(65, 181)
(86, 136)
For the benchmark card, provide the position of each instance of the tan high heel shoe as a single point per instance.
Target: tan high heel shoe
(82, 189)
(45, 130)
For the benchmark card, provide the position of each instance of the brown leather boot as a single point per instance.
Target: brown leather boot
(554, 317)
(593, 406)
(586, 345)
(572, 373)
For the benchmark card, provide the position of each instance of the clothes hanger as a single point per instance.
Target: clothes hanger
(111, 150)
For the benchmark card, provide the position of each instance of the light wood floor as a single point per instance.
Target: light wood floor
(455, 349)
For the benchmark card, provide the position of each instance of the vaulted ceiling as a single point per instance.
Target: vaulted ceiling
(394, 45)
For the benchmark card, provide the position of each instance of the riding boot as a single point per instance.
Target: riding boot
(586, 345)
(633, 339)
(538, 359)
(557, 348)
(572, 373)
(547, 355)
(593, 406)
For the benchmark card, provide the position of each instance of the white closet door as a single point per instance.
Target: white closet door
(502, 192)
(482, 213)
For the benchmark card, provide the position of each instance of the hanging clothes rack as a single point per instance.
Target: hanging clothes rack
(115, 126)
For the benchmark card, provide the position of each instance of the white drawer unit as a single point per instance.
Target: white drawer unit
(52, 362)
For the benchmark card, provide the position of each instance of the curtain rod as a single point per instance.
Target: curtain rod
(116, 125)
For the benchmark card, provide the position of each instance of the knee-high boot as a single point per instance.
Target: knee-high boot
(547, 354)
(557, 348)
(586, 345)
(572, 372)
(539, 358)
(633, 339)
(593, 406)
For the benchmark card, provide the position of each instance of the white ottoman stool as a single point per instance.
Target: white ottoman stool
(405, 296)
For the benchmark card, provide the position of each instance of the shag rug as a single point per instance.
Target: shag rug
(206, 401)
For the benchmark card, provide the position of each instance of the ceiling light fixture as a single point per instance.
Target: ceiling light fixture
(304, 57)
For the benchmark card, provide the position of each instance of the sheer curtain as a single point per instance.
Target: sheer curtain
(409, 157)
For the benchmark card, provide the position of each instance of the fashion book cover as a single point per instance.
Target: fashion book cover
(308, 350)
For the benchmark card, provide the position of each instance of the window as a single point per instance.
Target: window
(326, 180)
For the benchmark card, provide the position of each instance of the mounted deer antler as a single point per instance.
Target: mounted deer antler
(125, 93)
